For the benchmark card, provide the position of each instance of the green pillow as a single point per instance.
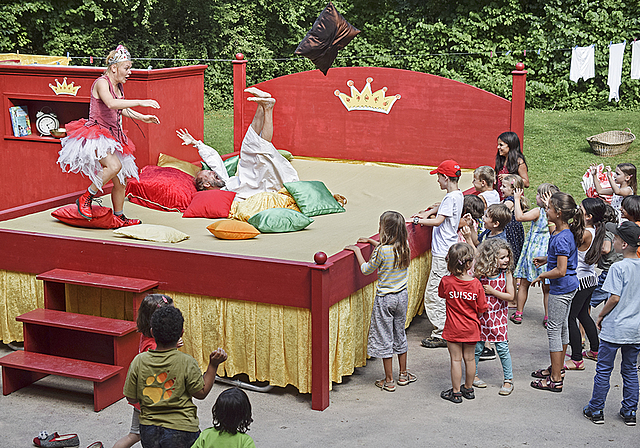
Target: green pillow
(313, 197)
(286, 154)
(275, 220)
(231, 164)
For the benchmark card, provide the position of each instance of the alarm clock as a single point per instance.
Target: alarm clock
(46, 120)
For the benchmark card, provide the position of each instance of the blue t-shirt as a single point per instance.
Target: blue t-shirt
(563, 244)
(486, 234)
(622, 324)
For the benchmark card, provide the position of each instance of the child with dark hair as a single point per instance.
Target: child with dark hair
(619, 324)
(164, 381)
(231, 420)
(472, 211)
(150, 304)
(622, 183)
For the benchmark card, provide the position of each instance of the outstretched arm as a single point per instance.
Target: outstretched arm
(207, 153)
(215, 359)
(142, 117)
(102, 90)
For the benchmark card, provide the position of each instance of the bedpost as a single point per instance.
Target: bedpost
(239, 84)
(518, 91)
(320, 379)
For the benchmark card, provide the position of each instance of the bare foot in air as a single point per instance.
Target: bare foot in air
(267, 103)
(257, 92)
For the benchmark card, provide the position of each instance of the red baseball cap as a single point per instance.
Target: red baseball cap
(449, 168)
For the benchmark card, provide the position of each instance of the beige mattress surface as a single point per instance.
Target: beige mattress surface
(369, 188)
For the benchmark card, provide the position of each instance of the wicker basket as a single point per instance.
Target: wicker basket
(611, 143)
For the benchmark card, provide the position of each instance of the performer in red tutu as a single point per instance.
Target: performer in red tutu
(98, 148)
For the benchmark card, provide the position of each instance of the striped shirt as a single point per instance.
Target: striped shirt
(390, 279)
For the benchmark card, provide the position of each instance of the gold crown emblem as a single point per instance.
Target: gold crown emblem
(366, 99)
(64, 88)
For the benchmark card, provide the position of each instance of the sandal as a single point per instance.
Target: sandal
(516, 317)
(454, 397)
(547, 384)
(469, 394)
(544, 321)
(590, 354)
(479, 383)
(575, 365)
(389, 386)
(406, 378)
(506, 390)
(544, 373)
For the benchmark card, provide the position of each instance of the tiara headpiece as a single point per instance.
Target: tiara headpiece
(121, 55)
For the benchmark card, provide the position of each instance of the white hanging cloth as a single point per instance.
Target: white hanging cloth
(635, 59)
(616, 53)
(582, 63)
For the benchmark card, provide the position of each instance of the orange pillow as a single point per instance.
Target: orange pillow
(231, 229)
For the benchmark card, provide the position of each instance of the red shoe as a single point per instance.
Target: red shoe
(84, 205)
(126, 222)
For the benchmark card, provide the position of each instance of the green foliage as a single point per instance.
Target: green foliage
(474, 41)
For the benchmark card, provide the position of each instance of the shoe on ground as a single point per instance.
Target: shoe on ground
(84, 205)
(126, 222)
(389, 386)
(479, 383)
(506, 390)
(628, 416)
(469, 394)
(596, 417)
(590, 354)
(54, 440)
(406, 378)
(487, 354)
(432, 342)
(516, 318)
(454, 397)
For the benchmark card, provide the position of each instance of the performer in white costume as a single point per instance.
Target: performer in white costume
(260, 168)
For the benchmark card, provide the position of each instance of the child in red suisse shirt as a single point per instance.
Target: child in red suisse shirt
(465, 302)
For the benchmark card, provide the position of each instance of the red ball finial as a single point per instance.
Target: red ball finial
(520, 66)
(320, 258)
(239, 56)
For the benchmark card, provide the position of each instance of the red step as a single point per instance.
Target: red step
(55, 365)
(81, 322)
(92, 279)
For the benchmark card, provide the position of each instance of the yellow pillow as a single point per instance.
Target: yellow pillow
(151, 232)
(262, 201)
(231, 229)
(172, 162)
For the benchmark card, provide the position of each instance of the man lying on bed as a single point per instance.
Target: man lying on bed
(260, 168)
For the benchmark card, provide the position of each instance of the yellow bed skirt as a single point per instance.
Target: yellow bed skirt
(267, 342)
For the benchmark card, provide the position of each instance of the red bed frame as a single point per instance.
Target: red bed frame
(434, 119)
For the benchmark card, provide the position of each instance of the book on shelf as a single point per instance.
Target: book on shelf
(20, 121)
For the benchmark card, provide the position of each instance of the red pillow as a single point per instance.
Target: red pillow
(162, 188)
(103, 217)
(210, 204)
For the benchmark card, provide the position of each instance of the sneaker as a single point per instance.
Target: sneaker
(56, 441)
(126, 222)
(629, 417)
(596, 417)
(84, 205)
(433, 342)
(487, 354)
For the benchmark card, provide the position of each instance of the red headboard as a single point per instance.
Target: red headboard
(434, 119)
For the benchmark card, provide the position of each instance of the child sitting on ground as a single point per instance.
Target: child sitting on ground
(164, 380)
(483, 179)
(619, 324)
(231, 420)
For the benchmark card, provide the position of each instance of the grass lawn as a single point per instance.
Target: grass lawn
(555, 143)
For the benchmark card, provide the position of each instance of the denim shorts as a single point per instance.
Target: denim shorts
(158, 437)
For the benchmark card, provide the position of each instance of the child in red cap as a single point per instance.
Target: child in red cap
(445, 218)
